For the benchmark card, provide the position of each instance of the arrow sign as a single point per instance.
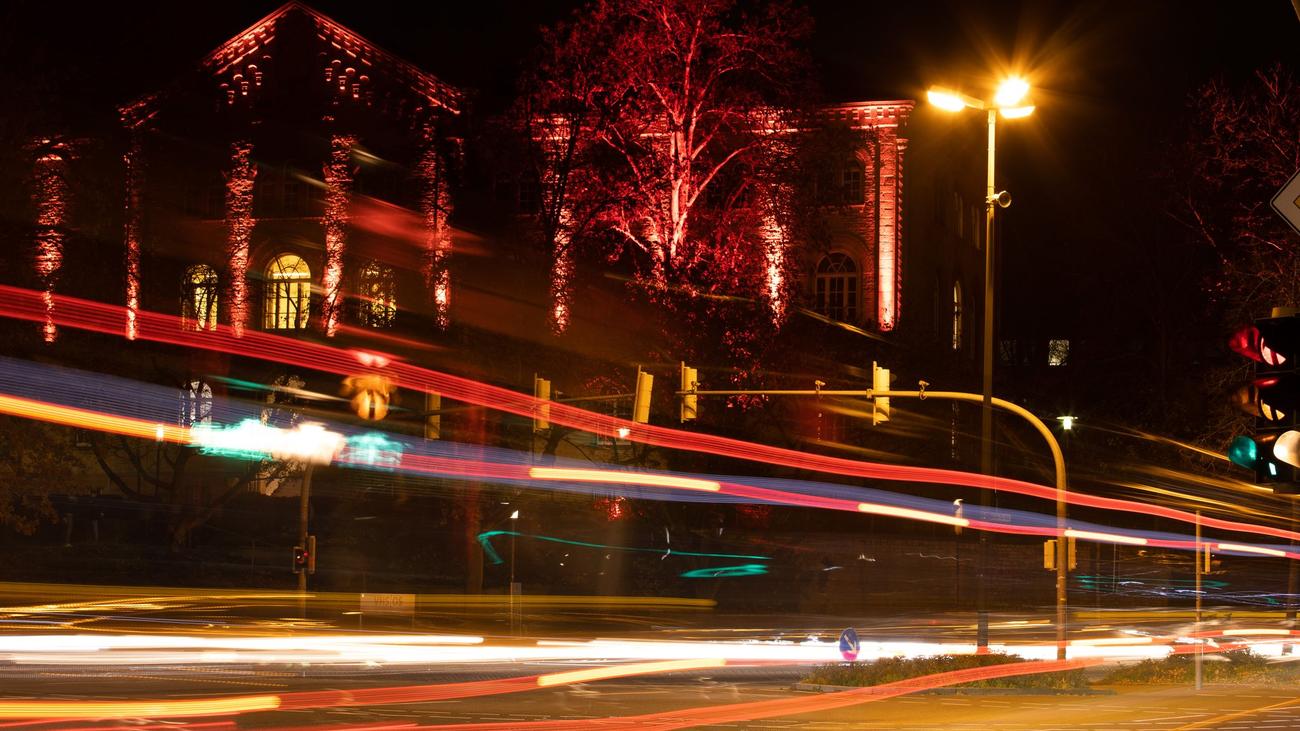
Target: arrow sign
(1287, 202)
(849, 644)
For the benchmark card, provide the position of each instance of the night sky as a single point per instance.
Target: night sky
(1112, 82)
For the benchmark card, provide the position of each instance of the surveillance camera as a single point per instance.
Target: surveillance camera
(1003, 199)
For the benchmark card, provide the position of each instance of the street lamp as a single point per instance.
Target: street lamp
(1011, 101)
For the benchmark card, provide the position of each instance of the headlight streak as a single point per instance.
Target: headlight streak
(99, 317)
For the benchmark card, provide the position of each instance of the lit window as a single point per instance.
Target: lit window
(196, 403)
(288, 294)
(837, 287)
(377, 291)
(1058, 352)
(853, 188)
(956, 315)
(199, 298)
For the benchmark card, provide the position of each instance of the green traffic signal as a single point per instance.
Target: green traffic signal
(1243, 452)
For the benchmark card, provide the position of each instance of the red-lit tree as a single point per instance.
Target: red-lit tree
(652, 110)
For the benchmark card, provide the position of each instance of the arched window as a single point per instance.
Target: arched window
(956, 315)
(196, 404)
(377, 292)
(288, 294)
(837, 287)
(199, 298)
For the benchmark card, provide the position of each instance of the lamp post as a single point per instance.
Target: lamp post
(1010, 102)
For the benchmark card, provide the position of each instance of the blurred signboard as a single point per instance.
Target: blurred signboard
(1287, 202)
(403, 604)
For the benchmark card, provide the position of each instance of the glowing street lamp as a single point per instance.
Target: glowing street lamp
(1067, 422)
(1010, 100)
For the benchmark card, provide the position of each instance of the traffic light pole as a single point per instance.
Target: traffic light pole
(304, 495)
(1058, 462)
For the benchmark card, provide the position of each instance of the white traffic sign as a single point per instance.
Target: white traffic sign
(1287, 202)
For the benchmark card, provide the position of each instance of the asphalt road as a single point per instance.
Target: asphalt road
(683, 695)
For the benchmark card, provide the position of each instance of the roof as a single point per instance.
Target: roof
(348, 41)
(352, 48)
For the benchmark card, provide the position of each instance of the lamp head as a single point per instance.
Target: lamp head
(1011, 92)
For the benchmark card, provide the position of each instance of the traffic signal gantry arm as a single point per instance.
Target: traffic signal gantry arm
(1058, 460)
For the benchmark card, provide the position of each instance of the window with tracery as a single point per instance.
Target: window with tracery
(836, 291)
(287, 305)
(377, 295)
(199, 298)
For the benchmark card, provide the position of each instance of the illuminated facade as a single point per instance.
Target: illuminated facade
(868, 248)
(288, 182)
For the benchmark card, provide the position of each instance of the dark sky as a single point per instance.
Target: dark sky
(1112, 79)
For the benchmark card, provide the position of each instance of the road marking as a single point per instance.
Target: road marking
(1228, 717)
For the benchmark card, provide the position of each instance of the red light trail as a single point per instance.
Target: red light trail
(99, 317)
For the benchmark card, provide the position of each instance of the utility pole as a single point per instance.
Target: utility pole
(986, 412)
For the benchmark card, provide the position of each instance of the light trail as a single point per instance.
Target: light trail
(623, 671)
(622, 477)
(467, 468)
(84, 314)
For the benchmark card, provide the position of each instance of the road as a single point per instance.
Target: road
(678, 695)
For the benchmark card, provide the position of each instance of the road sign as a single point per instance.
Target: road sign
(849, 644)
(1287, 202)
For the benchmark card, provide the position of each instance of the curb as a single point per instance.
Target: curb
(814, 688)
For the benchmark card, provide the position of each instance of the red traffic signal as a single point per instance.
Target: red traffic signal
(1251, 343)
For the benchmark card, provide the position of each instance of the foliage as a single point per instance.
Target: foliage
(1242, 150)
(37, 460)
(1233, 666)
(893, 669)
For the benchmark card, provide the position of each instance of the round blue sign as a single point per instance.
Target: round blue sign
(849, 644)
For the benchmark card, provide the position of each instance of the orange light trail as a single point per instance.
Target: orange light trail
(622, 671)
(620, 477)
(187, 708)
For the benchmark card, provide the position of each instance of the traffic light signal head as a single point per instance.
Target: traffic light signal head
(1273, 398)
(690, 402)
(371, 395)
(641, 397)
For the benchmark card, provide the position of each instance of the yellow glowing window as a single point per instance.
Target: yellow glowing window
(377, 292)
(287, 305)
(199, 298)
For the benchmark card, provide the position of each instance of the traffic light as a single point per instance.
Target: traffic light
(690, 409)
(432, 416)
(371, 395)
(641, 397)
(1273, 398)
(542, 392)
(880, 404)
(304, 558)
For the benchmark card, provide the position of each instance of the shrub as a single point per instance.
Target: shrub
(1233, 666)
(889, 670)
